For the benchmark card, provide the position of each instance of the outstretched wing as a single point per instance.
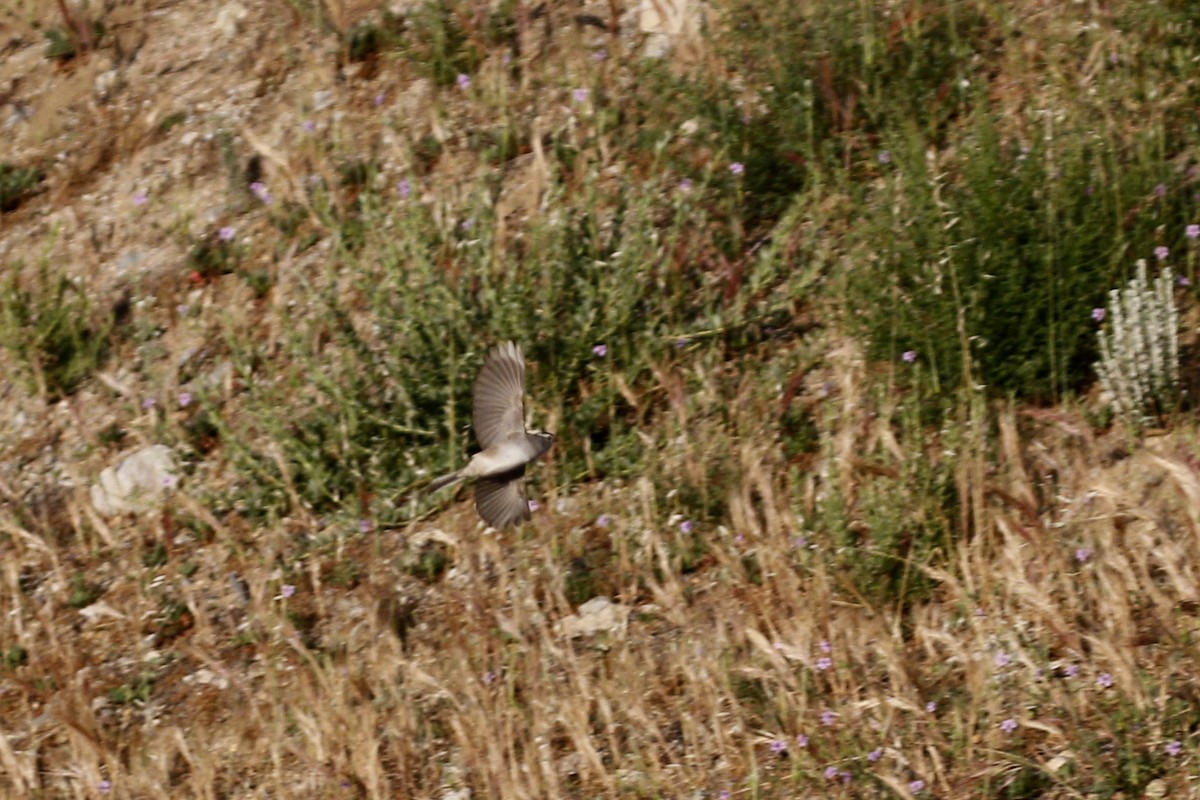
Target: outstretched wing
(500, 499)
(499, 410)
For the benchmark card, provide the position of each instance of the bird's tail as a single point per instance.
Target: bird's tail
(445, 480)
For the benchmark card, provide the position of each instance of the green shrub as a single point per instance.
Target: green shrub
(400, 334)
(821, 85)
(1006, 258)
(17, 183)
(52, 329)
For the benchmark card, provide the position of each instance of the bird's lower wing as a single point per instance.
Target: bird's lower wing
(500, 499)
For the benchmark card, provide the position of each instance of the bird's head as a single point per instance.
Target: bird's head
(544, 440)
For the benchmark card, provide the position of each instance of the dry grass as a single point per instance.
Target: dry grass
(470, 683)
(1045, 646)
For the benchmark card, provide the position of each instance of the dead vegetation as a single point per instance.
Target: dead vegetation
(1029, 630)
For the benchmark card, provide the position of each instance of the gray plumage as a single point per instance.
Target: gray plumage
(499, 421)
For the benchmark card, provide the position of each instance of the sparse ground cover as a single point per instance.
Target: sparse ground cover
(811, 293)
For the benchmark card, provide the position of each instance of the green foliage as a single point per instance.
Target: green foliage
(386, 394)
(15, 656)
(53, 331)
(431, 562)
(346, 574)
(367, 39)
(171, 120)
(60, 45)
(438, 43)
(1120, 761)
(830, 80)
(137, 690)
(1006, 259)
(83, 593)
(17, 183)
(211, 258)
(64, 43)
(900, 519)
(154, 555)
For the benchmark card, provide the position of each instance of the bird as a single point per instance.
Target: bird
(498, 416)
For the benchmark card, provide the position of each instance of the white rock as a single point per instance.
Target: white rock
(100, 610)
(136, 483)
(206, 677)
(598, 615)
(229, 19)
(322, 99)
(667, 22)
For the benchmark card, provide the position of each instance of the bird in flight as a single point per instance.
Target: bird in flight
(499, 420)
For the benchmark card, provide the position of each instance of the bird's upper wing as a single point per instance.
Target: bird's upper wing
(500, 499)
(499, 410)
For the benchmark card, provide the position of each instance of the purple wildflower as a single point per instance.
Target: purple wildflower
(686, 526)
(1082, 554)
(308, 125)
(1174, 747)
(801, 740)
(463, 80)
(1098, 314)
(1104, 680)
(404, 187)
(287, 590)
(140, 198)
(185, 399)
(884, 157)
(916, 786)
(824, 663)
(1009, 725)
(828, 717)
(1192, 231)
(580, 95)
(737, 168)
(875, 755)
(227, 233)
(778, 746)
(1161, 252)
(1002, 659)
(908, 356)
(600, 350)
(831, 772)
(259, 189)
(930, 707)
